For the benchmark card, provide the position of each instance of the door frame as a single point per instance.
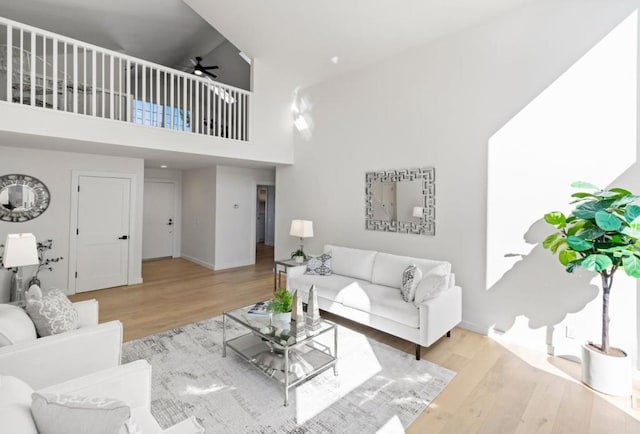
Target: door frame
(254, 211)
(73, 222)
(177, 215)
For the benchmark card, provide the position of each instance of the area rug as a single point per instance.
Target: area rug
(377, 389)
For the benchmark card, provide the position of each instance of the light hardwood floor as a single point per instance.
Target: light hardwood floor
(498, 388)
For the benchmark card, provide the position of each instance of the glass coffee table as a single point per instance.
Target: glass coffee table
(289, 360)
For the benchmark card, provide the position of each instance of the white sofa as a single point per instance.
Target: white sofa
(365, 288)
(41, 362)
(130, 383)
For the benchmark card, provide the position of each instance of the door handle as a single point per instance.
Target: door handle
(170, 222)
(124, 237)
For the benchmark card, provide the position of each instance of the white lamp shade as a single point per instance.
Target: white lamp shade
(301, 228)
(20, 250)
(418, 211)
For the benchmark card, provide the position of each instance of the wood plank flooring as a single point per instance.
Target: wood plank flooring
(495, 390)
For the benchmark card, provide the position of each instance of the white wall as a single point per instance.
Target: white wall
(509, 113)
(233, 71)
(54, 170)
(199, 215)
(236, 198)
(152, 174)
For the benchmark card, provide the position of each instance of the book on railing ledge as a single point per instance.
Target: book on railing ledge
(259, 309)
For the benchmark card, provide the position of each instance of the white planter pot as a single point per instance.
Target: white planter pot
(282, 318)
(299, 259)
(606, 374)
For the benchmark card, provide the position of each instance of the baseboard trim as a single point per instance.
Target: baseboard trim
(236, 264)
(476, 328)
(136, 281)
(198, 261)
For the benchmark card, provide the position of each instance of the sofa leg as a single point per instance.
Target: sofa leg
(449, 334)
(418, 348)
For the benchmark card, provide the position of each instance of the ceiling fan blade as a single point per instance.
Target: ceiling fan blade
(210, 67)
(210, 74)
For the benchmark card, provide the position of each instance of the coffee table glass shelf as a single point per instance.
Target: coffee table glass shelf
(275, 352)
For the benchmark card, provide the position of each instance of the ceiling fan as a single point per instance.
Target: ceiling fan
(199, 69)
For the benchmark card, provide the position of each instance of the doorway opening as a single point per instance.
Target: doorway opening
(159, 219)
(265, 221)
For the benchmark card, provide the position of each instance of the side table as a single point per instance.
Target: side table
(280, 267)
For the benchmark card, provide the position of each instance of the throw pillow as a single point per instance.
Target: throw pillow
(432, 284)
(53, 313)
(64, 414)
(15, 406)
(15, 325)
(320, 265)
(411, 277)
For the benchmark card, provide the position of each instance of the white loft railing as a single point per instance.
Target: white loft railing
(43, 69)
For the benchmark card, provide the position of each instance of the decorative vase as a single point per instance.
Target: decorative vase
(16, 292)
(299, 259)
(605, 373)
(313, 310)
(297, 325)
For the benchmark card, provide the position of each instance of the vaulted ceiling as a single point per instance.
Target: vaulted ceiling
(167, 32)
(308, 40)
(302, 37)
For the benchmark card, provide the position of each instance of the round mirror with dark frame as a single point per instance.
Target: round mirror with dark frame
(22, 198)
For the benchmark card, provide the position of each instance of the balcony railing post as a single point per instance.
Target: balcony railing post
(32, 91)
(44, 71)
(75, 78)
(54, 74)
(9, 61)
(172, 80)
(111, 87)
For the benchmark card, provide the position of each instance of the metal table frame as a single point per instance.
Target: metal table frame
(310, 340)
(280, 267)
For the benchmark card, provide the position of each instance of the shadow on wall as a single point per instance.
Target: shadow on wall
(581, 127)
(538, 287)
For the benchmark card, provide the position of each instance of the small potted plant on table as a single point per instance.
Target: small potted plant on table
(281, 305)
(602, 234)
(299, 256)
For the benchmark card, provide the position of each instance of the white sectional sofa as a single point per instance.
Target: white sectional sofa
(365, 287)
(41, 362)
(130, 383)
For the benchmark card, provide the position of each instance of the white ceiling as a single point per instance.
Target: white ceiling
(301, 37)
(162, 31)
(298, 37)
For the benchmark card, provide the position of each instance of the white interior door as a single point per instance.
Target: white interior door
(103, 232)
(158, 219)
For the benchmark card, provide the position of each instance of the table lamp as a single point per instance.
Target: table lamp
(19, 250)
(301, 229)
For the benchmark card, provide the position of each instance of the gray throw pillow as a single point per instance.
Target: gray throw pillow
(53, 313)
(64, 414)
(411, 277)
(320, 265)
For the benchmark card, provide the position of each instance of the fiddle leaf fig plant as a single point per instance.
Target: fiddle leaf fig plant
(602, 234)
